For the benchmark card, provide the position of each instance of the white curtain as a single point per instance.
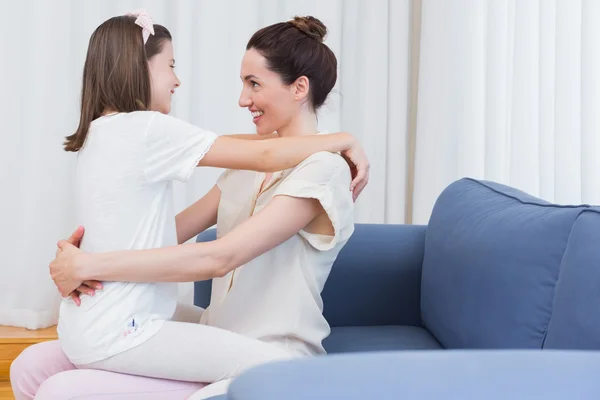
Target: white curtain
(505, 90)
(43, 46)
(509, 90)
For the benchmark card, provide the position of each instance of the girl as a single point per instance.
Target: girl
(266, 302)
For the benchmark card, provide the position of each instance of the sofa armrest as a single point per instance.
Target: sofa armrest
(376, 279)
(439, 374)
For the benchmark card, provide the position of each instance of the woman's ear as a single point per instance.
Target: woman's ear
(301, 88)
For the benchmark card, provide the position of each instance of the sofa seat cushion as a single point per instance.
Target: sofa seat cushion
(348, 339)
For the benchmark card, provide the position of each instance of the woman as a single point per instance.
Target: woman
(278, 236)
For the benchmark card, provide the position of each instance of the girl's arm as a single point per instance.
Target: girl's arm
(199, 216)
(189, 262)
(271, 155)
(252, 136)
(173, 147)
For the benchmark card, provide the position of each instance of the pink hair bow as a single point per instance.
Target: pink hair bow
(143, 20)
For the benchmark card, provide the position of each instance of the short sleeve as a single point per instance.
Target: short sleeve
(173, 148)
(326, 178)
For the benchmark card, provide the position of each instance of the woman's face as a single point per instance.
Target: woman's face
(271, 102)
(163, 79)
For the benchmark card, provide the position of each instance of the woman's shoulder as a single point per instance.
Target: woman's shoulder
(325, 158)
(323, 166)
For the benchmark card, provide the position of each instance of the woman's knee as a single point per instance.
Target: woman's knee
(34, 365)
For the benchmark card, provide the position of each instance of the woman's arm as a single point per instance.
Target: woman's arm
(189, 262)
(199, 216)
(190, 222)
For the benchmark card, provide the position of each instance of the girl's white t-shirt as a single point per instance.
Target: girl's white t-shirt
(276, 297)
(124, 199)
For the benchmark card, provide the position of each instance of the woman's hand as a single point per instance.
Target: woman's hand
(87, 287)
(359, 166)
(63, 269)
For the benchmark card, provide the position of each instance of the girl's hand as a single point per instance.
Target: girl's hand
(359, 166)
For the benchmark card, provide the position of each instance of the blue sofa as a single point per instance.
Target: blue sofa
(495, 269)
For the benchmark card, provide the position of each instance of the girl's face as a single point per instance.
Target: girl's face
(272, 103)
(163, 79)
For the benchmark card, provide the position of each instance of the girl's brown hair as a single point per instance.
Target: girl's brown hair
(115, 74)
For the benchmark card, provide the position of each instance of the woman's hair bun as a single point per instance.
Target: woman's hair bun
(310, 26)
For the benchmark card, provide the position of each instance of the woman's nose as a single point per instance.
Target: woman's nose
(244, 100)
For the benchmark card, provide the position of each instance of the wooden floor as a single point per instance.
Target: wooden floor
(12, 342)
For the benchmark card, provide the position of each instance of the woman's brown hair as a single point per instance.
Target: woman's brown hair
(115, 74)
(295, 48)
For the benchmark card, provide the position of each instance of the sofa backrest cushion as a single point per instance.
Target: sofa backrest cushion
(491, 262)
(575, 321)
